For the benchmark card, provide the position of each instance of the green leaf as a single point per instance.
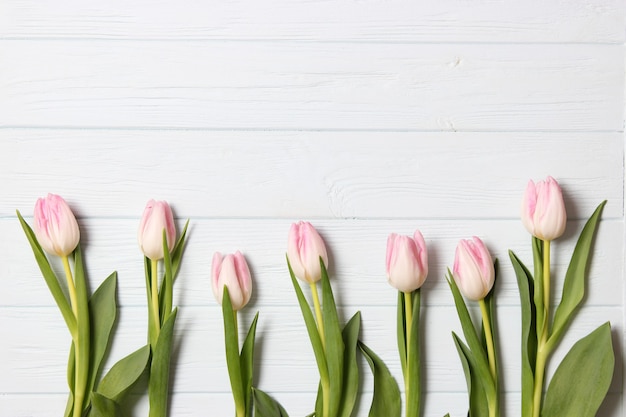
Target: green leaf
(233, 361)
(311, 327)
(102, 406)
(574, 284)
(386, 398)
(334, 343)
(102, 311)
(49, 276)
(529, 334)
(350, 366)
(83, 342)
(177, 252)
(474, 343)
(160, 369)
(478, 402)
(121, 377)
(266, 406)
(166, 295)
(71, 363)
(582, 380)
(247, 364)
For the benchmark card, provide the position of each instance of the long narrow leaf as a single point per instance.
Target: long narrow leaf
(247, 364)
(311, 327)
(582, 380)
(574, 284)
(160, 369)
(231, 340)
(49, 276)
(177, 252)
(478, 405)
(83, 351)
(103, 311)
(166, 295)
(334, 343)
(121, 377)
(529, 334)
(350, 366)
(469, 331)
(541, 313)
(386, 400)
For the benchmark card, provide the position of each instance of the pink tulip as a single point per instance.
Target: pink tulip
(407, 261)
(55, 226)
(473, 269)
(157, 216)
(231, 271)
(543, 209)
(304, 249)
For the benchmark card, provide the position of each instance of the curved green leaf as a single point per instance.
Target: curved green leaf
(266, 406)
(582, 380)
(350, 366)
(574, 284)
(83, 342)
(386, 400)
(478, 403)
(49, 276)
(334, 343)
(247, 364)
(160, 369)
(311, 327)
(233, 361)
(121, 377)
(102, 406)
(103, 312)
(529, 334)
(541, 315)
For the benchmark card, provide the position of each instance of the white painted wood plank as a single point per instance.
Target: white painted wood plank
(285, 361)
(357, 260)
(267, 174)
(292, 85)
(344, 20)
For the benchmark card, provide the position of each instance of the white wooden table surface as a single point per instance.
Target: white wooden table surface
(363, 117)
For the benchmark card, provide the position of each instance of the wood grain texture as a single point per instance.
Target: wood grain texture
(268, 174)
(600, 21)
(269, 85)
(365, 117)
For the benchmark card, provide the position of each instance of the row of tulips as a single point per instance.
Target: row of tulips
(336, 346)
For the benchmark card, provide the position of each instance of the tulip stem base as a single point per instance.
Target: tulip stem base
(543, 350)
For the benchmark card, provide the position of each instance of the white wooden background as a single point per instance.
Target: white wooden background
(365, 117)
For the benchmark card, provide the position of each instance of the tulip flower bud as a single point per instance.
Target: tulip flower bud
(407, 261)
(304, 249)
(55, 226)
(543, 209)
(231, 271)
(473, 269)
(157, 216)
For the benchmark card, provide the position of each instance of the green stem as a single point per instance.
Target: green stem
(491, 354)
(318, 314)
(155, 300)
(70, 286)
(542, 349)
(80, 381)
(408, 313)
(240, 407)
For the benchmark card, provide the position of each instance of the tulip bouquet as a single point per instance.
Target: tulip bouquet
(232, 286)
(335, 348)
